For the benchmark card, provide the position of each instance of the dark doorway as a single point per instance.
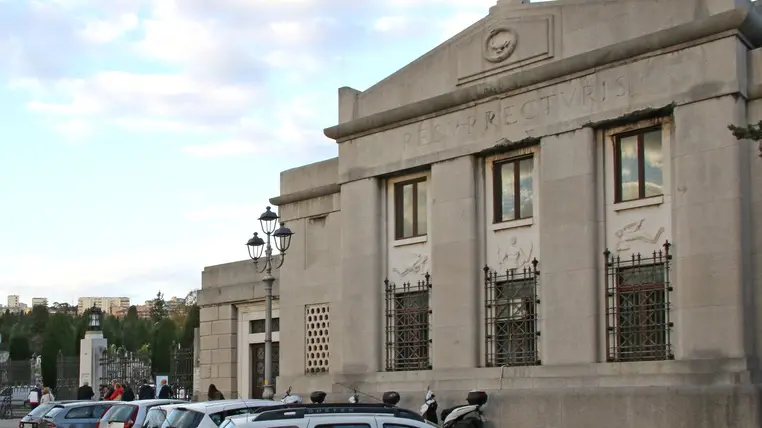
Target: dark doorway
(257, 357)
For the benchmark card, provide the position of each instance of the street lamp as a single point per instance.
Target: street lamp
(94, 323)
(256, 246)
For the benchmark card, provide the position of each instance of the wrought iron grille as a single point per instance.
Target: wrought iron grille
(408, 325)
(638, 306)
(181, 373)
(124, 366)
(511, 323)
(67, 377)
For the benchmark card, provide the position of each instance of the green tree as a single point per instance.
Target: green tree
(158, 308)
(751, 132)
(19, 347)
(40, 317)
(164, 335)
(112, 330)
(60, 336)
(192, 321)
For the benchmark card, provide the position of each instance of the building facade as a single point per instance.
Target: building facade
(40, 301)
(14, 301)
(109, 305)
(550, 207)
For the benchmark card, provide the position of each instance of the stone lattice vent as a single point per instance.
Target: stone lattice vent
(317, 338)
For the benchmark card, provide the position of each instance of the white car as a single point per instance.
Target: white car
(129, 414)
(210, 414)
(359, 415)
(155, 417)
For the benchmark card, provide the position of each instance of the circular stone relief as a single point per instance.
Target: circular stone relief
(500, 44)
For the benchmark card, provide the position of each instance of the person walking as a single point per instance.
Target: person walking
(117, 394)
(129, 394)
(165, 392)
(85, 392)
(146, 392)
(35, 394)
(214, 393)
(47, 396)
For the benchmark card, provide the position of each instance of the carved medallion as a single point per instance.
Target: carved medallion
(500, 44)
(634, 232)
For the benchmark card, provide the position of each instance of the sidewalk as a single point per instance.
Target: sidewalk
(9, 423)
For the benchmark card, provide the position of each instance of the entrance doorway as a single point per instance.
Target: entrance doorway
(257, 353)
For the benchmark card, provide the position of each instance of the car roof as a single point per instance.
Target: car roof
(220, 405)
(169, 406)
(152, 401)
(83, 403)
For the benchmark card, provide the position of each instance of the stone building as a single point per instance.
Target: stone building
(549, 206)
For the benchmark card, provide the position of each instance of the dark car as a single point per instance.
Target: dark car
(33, 418)
(81, 414)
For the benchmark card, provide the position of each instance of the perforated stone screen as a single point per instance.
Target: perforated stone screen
(317, 335)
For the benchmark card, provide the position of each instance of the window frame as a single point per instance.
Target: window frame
(88, 409)
(399, 215)
(616, 139)
(497, 188)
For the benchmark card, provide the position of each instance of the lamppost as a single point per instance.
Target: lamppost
(94, 323)
(256, 246)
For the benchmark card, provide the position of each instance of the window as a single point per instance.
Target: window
(513, 194)
(357, 425)
(408, 318)
(410, 208)
(638, 165)
(84, 412)
(638, 307)
(511, 317)
(258, 326)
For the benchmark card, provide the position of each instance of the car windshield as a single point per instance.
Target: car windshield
(119, 413)
(155, 418)
(183, 418)
(41, 410)
(53, 412)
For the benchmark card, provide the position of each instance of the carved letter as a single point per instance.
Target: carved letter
(437, 136)
(568, 101)
(424, 134)
(507, 113)
(529, 109)
(587, 94)
(546, 103)
(489, 119)
(621, 86)
(407, 137)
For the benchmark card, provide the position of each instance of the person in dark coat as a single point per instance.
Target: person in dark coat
(165, 392)
(129, 394)
(214, 393)
(85, 392)
(146, 392)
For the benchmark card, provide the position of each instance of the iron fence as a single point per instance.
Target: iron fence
(638, 307)
(408, 325)
(126, 367)
(181, 372)
(510, 322)
(67, 377)
(17, 378)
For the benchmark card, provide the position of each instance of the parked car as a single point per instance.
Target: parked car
(330, 415)
(157, 415)
(210, 414)
(33, 418)
(80, 414)
(130, 414)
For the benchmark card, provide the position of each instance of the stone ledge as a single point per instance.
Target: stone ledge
(747, 21)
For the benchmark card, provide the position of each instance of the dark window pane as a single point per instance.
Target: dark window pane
(422, 213)
(653, 163)
(258, 326)
(628, 168)
(508, 194)
(407, 210)
(526, 197)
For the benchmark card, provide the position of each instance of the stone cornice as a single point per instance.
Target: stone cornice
(747, 21)
(304, 195)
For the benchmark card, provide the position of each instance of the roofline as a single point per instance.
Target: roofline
(748, 21)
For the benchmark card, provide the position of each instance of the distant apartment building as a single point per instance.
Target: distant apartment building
(13, 301)
(109, 305)
(39, 301)
(175, 304)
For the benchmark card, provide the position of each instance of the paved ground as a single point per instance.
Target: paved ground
(9, 423)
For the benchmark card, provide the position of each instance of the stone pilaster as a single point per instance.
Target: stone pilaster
(569, 283)
(455, 270)
(218, 350)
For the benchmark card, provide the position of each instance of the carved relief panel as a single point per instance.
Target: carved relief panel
(408, 210)
(637, 183)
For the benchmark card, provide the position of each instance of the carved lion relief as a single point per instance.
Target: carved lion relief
(633, 232)
(514, 256)
(418, 266)
(500, 44)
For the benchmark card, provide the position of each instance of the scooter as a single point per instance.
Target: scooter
(354, 398)
(429, 407)
(290, 399)
(466, 416)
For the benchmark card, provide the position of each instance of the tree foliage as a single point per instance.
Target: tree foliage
(751, 132)
(59, 329)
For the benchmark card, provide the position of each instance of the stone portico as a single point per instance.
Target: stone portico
(531, 143)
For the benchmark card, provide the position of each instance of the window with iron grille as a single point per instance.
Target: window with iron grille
(638, 307)
(511, 323)
(408, 325)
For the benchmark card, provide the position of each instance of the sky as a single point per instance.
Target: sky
(141, 139)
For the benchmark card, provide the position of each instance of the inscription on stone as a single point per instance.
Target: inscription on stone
(545, 106)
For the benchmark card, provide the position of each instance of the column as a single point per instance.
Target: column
(218, 350)
(714, 309)
(357, 317)
(90, 350)
(455, 271)
(569, 285)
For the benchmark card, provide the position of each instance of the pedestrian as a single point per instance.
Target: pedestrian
(146, 392)
(105, 392)
(117, 394)
(85, 392)
(47, 396)
(129, 394)
(214, 393)
(35, 394)
(165, 392)
(111, 388)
